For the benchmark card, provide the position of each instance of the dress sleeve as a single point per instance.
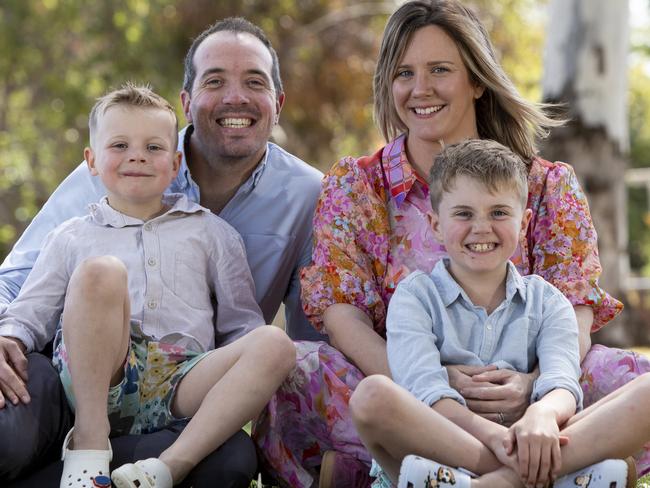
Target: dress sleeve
(350, 244)
(565, 245)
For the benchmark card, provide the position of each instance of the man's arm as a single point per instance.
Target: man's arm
(70, 199)
(298, 326)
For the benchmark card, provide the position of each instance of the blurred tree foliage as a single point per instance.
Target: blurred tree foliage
(57, 56)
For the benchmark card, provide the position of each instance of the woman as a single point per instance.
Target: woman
(367, 237)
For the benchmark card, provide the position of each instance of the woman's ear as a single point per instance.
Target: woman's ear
(478, 91)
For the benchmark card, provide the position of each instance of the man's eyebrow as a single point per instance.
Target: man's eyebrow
(252, 71)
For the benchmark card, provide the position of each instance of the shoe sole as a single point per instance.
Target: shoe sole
(631, 472)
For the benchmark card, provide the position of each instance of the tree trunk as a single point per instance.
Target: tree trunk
(585, 69)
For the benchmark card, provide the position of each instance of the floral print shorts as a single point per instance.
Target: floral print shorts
(141, 402)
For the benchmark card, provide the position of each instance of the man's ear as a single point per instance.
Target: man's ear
(279, 103)
(89, 156)
(185, 103)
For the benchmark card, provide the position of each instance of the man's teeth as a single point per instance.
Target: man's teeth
(483, 247)
(427, 110)
(236, 123)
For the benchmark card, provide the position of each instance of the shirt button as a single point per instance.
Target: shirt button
(148, 226)
(151, 261)
(152, 304)
(489, 327)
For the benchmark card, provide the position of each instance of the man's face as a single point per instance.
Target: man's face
(233, 105)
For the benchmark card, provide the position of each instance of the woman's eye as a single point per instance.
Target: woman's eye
(404, 73)
(439, 70)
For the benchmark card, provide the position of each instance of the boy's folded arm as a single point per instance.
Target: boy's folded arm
(412, 349)
(558, 350)
(238, 311)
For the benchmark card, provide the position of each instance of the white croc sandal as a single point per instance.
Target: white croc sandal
(85, 468)
(148, 473)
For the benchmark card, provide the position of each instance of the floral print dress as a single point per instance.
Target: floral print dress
(371, 229)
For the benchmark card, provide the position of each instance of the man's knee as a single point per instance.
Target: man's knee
(31, 433)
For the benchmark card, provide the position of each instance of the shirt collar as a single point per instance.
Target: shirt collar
(103, 214)
(450, 289)
(399, 172)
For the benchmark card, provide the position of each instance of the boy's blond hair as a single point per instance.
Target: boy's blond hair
(130, 95)
(483, 160)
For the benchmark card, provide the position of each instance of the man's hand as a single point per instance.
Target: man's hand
(13, 371)
(500, 395)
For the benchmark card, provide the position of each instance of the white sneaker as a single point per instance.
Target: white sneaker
(418, 472)
(610, 473)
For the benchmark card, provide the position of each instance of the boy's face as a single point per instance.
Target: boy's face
(479, 229)
(134, 153)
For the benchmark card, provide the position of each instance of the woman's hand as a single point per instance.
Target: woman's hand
(500, 395)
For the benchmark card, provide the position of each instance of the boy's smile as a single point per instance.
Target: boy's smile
(479, 229)
(134, 153)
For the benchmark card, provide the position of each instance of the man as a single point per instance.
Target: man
(232, 97)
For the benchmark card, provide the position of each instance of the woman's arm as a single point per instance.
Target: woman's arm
(350, 331)
(585, 317)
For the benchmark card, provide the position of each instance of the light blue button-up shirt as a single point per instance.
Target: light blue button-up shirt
(272, 210)
(431, 323)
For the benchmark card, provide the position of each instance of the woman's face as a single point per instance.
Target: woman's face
(432, 91)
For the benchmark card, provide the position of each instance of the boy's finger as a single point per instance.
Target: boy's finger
(556, 459)
(534, 453)
(564, 440)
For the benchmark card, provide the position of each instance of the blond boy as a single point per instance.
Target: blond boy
(135, 293)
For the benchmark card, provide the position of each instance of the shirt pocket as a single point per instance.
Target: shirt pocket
(191, 281)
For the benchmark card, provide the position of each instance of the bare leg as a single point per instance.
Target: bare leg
(392, 424)
(620, 418)
(226, 390)
(96, 336)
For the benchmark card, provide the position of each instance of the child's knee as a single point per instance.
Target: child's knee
(274, 343)
(371, 401)
(100, 275)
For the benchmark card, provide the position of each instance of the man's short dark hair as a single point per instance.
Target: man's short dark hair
(236, 25)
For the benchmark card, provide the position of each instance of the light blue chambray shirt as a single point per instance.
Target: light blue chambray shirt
(431, 322)
(187, 276)
(272, 210)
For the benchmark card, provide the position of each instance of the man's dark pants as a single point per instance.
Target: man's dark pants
(31, 437)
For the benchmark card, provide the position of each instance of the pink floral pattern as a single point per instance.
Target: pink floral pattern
(370, 231)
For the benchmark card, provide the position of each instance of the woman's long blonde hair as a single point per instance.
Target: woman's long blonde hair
(502, 114)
